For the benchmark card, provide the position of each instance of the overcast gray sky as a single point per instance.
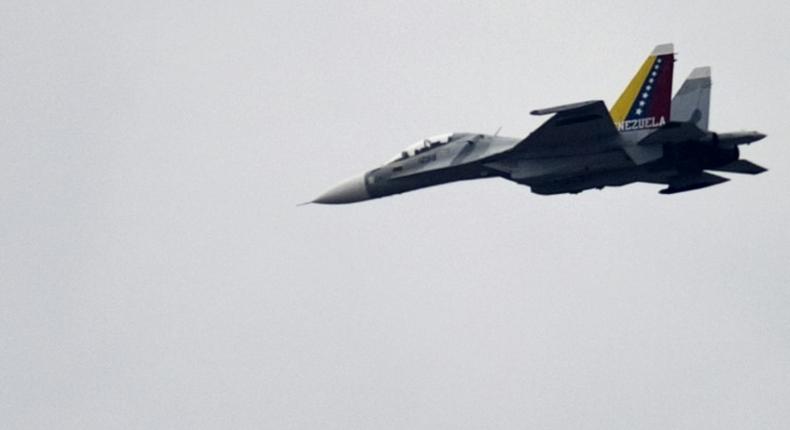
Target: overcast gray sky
(155, 272)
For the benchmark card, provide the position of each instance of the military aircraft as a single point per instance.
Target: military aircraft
(647, 136)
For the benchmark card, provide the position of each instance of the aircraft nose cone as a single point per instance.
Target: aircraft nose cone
(349, 191)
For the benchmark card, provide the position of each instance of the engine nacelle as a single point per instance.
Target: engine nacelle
(718, 155)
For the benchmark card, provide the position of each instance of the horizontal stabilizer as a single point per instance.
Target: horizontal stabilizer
(674, 132)
(745, 167)
(651, 148)
(679, 184)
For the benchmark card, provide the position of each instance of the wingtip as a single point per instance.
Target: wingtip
(305, 203)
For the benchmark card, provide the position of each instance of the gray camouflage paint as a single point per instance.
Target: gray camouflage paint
(578, 149)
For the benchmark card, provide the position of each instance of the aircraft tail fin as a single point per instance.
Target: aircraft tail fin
(692, 101)
(647, 100)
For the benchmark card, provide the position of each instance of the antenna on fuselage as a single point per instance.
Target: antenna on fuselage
(497, 131)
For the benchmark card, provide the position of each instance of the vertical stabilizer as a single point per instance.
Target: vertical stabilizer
(692, 102)
(647, 100)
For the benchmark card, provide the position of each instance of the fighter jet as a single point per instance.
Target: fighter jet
(647, 136)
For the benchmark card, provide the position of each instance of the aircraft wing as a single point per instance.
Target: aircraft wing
(579, 123)
(742, 166)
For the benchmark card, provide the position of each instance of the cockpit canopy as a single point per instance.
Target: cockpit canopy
(422, 146)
